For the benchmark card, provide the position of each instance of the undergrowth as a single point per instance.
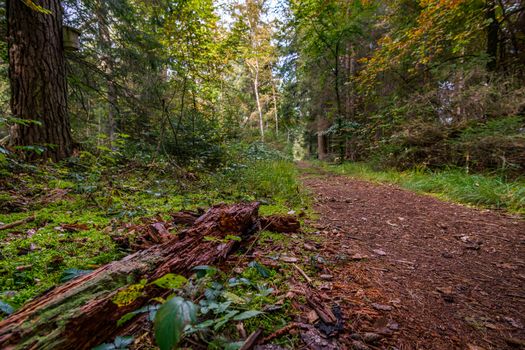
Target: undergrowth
(451, 184)
(77, 205)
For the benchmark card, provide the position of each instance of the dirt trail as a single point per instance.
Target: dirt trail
(423, 273)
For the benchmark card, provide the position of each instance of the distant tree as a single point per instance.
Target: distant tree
(37, 75)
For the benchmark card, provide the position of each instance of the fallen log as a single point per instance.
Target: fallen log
(83, 312)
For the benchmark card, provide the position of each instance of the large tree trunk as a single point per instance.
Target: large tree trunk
(37, 74)
(82, 313)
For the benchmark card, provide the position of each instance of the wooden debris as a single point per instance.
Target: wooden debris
(17, 223)
(308, 279)
(282, 331)
(82, 313)
(324, 312)
(280, 223)
(185, 217)
(251, 340)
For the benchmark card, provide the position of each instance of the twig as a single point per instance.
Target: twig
(308, 279)
(282, 331)
(251, 340)
(17, 223)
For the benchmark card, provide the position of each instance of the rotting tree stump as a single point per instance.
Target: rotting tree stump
(81, 313)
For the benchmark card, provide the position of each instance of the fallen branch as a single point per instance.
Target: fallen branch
(308, 279)
(17, 223)
(282, 331)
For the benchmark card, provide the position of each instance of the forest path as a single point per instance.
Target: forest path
(426, 274)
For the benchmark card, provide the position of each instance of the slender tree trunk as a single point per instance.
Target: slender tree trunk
(276, 112)
(37, 74)
(492, 36)
(108, 67)
(336, 83)
(257, 100)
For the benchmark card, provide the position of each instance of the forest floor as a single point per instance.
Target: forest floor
(420, 272)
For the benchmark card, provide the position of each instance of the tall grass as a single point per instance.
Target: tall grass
(275, 182)
(451, 184)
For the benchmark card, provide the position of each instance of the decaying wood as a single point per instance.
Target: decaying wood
(324, 312)
(82, 313)
(17, 223)
(281, 223)
(185, 217)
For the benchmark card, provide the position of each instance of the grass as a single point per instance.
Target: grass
(451, 184)
(34, 256)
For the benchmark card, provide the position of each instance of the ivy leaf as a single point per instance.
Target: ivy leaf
(246, 315)
(170, 321)
(171, 281)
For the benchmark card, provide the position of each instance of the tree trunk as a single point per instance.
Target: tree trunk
(257, 99)
(37, 74)
(492, 36)
(276, 113)
(108, 67)
(83, 313)
(322, 124)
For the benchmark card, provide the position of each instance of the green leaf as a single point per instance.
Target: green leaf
(246, 315)
(120, 343)
(224, 319)
(263, 271)
(6, 308)
(170, 321)
(203, 270)
(234, 298)
(152, 309)
(171, 281)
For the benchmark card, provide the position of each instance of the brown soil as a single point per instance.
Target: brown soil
(452, 277)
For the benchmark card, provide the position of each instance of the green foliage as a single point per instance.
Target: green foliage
(170, 321)
(120, 343)
(6, 308)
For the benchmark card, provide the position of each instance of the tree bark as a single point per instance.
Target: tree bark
(322, 146)
(275, 110)
(37, 75)
(492, 36)
(257, 99)
(82, 313)
(108, 67)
